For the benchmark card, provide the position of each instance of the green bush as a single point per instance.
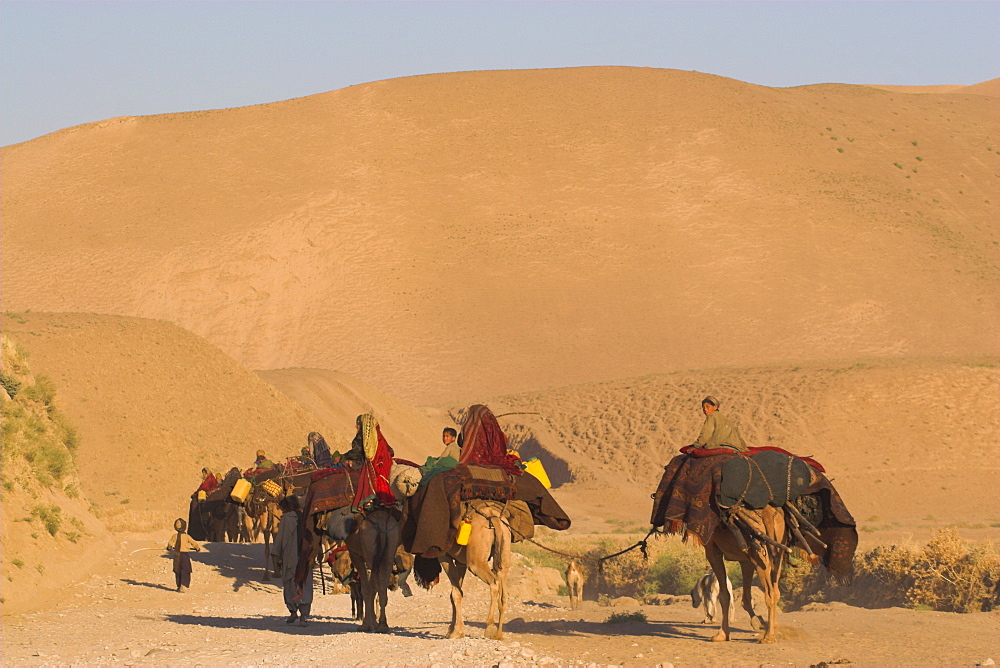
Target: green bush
(43, 391)
(51, 461)
(11, 384)
(626, 617)
(49, 515)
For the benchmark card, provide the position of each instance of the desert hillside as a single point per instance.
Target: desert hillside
(907, 442)
(152, 404)
(453, 236)
(337, 399)
(47, 527)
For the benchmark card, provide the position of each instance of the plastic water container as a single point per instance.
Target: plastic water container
(241, 490)
(535, 468)
(464, 532)
(202, 495)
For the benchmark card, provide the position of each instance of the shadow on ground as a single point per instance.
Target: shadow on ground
(319, 625)
(689, 631)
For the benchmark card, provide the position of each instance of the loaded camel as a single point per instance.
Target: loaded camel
(262, 516)
(752, 508)
(378, 515)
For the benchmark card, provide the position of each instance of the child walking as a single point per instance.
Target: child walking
(180, 544)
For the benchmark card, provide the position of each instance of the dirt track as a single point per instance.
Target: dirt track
(127, 613)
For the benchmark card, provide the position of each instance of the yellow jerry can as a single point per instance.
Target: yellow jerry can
(464, 532)
(202, 495)
(241, 490)
(535, 468)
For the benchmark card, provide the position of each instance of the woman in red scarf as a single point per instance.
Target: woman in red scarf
(484, 443)
(373, 485)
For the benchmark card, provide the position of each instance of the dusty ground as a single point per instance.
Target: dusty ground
(126, 613)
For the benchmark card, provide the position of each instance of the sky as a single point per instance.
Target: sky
(68, 63)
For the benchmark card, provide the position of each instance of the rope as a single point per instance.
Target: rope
(642, 545)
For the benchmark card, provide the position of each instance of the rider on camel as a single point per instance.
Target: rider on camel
(718, 431)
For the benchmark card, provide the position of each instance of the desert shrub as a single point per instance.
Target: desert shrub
(953, 576)
(49, 515)
(626, 617)
(10, 384)
(43, 391)
(51, 461)
(625, 575)
(676, 571)
(948, 574)
(66, 431)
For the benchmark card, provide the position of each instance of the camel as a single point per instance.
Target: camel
(574, 582)
(215, 519)
(373, 544)
(487, 555)
(758, 541)
(262, 517)
(344, 573)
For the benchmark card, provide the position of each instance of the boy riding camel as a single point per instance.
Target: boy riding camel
(718, 431)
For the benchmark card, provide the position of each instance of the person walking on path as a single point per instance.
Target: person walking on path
(180, 544)
(286, 541)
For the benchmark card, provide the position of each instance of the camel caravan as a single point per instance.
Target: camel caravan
(376, 518)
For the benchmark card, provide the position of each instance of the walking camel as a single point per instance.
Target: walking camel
(487, 555)
(764, 553)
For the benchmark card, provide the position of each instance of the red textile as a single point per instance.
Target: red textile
(209, 484)
(484, 443)
(374, 480)
(706, 452)
(405, 462)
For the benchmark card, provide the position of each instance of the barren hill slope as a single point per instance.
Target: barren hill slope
(477, 233)
(903, 440)
(337, 399)
(153, 404)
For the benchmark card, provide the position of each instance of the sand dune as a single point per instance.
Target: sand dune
(465, 235)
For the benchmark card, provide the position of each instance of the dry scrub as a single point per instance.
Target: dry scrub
(668, 567)
(947, 574)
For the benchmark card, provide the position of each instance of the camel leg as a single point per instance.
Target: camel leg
(501, 567)
(456, 574)
(715, 559)
(477, 558)
(769, 571)
(367, 595)
(756, 621)
(267, 555)
(386, 556)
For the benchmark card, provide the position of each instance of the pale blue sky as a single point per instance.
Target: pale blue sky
(66, 63)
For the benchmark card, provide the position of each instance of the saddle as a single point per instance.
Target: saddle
(761, 479)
